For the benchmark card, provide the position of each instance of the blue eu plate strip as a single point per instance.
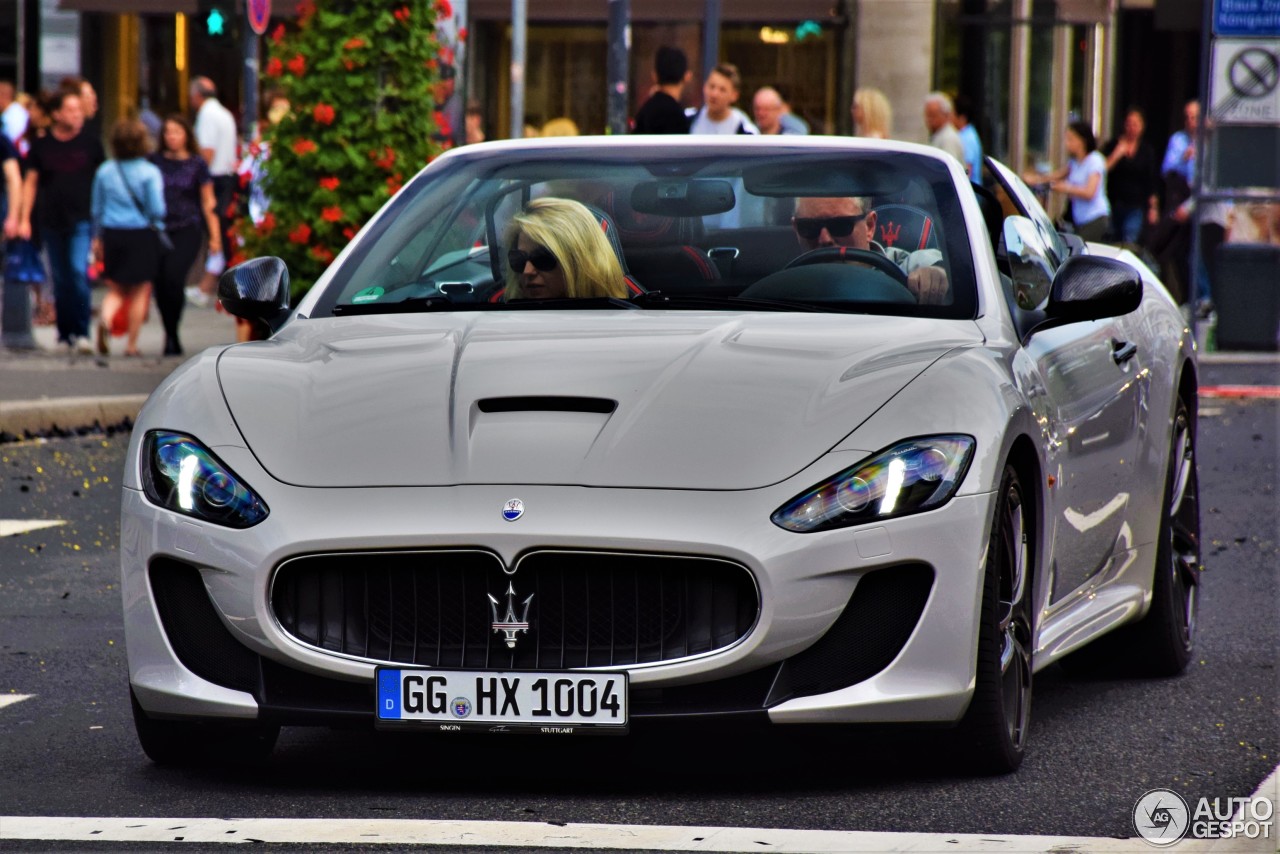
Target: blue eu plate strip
(389, 694)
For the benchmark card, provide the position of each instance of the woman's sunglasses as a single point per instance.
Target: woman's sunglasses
(837, 226)
(541, 259)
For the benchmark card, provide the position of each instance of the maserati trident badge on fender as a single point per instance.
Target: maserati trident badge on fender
(509, 624)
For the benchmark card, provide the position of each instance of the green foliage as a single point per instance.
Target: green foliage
(361, 80)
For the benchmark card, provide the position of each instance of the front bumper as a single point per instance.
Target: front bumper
(903, 651)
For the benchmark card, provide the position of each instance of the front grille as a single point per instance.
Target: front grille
(589, 609)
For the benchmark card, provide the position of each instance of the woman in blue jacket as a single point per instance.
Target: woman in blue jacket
(128, 210)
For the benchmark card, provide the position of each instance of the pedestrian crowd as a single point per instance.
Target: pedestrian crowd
(133, 217)
(138, 221)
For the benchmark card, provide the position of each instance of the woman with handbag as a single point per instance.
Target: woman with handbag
(192, 214)
(128, 211)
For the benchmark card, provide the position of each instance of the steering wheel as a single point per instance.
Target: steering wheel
(836, 254)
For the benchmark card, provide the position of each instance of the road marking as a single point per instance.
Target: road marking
(13, 527)
(1269, 392)
(10, 699)
(475, 834)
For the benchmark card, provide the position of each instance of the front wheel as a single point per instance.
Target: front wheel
(1165, 638)
(993, 732)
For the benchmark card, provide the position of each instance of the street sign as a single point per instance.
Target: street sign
(259, 12)
(1246, 18)
(1245, 85)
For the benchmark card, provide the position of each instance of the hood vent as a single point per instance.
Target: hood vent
(548, 404)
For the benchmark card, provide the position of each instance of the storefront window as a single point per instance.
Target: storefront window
(791, 58)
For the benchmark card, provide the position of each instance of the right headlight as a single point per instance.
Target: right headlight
(912, 476)
(182, 475)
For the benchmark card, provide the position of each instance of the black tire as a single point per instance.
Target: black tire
(1163, 642)
(992, 735)
(184, 743)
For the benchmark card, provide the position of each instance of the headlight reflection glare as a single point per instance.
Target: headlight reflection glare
(912, 476)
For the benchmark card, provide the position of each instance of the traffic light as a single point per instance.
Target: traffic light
(215, 22)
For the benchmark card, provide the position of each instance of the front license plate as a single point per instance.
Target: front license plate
(550, 702)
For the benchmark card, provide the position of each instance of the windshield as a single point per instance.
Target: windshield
(667, 228)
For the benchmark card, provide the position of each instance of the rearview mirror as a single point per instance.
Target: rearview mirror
(683, 197)
(257, 290)
(1089, 287)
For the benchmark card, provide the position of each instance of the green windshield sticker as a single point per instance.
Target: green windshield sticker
(367, 295)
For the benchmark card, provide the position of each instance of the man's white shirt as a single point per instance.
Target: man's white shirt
(216, 129)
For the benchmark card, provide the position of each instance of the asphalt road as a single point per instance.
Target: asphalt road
(1097, 744)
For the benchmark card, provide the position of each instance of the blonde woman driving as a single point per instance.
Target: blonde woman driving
(557, 249)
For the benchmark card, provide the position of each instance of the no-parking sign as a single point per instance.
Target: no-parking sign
(259, 12)
(1245, 86)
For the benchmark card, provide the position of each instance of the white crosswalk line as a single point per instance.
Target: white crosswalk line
(10, 699)
(13, 527)
(475, 834)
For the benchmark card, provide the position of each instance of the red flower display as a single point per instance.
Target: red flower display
(336, 104)
(462, 35)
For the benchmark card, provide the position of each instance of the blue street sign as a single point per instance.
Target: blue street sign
(1246, 18)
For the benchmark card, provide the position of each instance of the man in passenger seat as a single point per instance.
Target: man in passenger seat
(849, 221)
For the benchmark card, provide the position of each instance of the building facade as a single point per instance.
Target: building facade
(1029, 66)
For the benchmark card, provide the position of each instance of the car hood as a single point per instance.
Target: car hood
(593, 398)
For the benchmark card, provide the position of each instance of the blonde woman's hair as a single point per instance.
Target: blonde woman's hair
(562, 126)
(571, 233)
(877, 115)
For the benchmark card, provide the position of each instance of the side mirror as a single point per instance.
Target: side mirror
(1029, 264)
(257, 290)
(1089, 287)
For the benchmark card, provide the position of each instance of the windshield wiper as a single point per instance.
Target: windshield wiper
(444, 303)
(657, 299)
(561, 303)
(431, 303)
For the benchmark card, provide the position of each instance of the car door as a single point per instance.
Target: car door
(1095, 382)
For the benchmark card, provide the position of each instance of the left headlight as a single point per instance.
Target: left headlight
(182, 475)
(916, 475)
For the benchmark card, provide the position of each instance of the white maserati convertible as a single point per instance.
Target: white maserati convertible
(577, 434)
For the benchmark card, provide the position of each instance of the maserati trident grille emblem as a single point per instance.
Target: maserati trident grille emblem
(509, 624)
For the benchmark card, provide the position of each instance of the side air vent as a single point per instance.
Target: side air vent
(199, 638)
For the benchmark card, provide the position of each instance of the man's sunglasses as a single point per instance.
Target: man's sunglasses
(837, 226)
(541, 259)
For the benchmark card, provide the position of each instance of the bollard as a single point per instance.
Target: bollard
(15, 317)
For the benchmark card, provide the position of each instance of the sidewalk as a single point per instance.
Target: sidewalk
(50, 388)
